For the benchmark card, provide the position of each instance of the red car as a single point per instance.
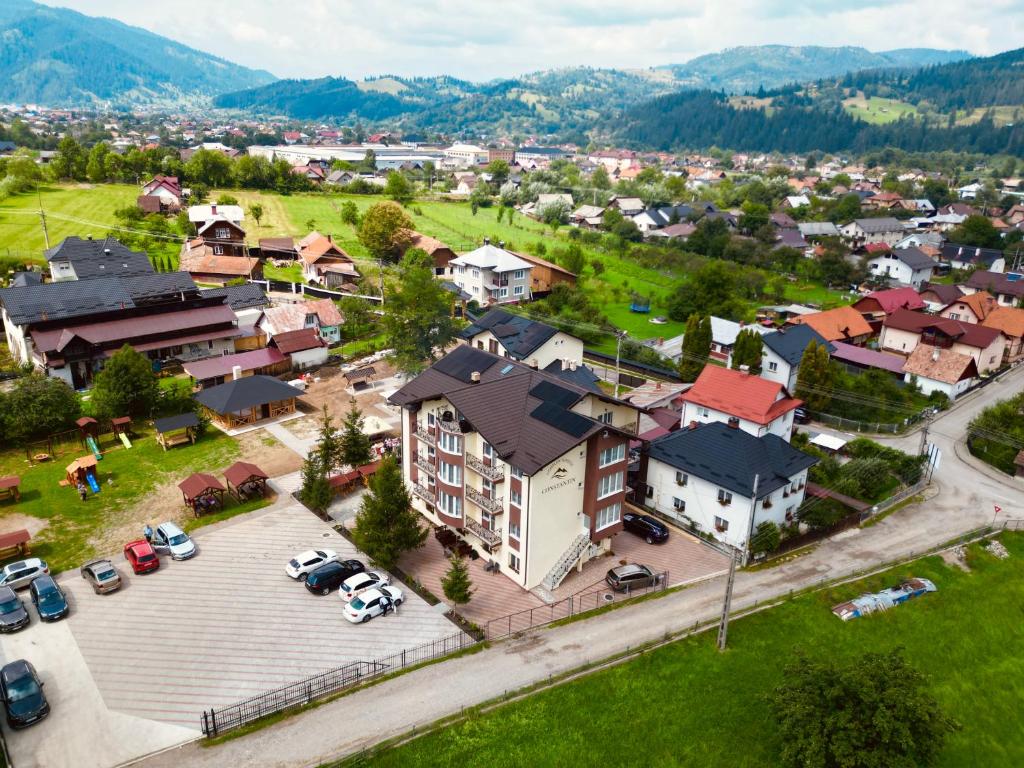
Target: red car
(140, 556)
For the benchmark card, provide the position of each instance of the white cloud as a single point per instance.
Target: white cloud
(479, 41)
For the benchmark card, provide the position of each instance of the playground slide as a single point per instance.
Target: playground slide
(125, 440)
(91, 442)
(91, 480)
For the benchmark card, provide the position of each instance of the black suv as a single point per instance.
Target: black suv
(22, 693)
(13, 615)
(48, 598)
(328, 577)
(646, 527)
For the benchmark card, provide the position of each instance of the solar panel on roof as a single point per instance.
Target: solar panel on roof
(552, 393)
(462, 363)
(564, 421)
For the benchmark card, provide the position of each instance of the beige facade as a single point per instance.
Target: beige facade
(561, 346)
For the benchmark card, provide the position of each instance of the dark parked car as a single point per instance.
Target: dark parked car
(23, 695)
(48, 598)
(13, 615)
(632, 576)
(801, 416)
(646, 527)
(329, 576)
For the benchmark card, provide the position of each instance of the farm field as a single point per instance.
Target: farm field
(688, 704)
(877, 110)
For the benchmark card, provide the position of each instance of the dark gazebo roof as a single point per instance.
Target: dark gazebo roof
(199, 484)
(242, 472)
(173, 423)
(247, 392)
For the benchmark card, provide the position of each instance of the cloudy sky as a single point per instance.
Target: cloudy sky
(479, 40)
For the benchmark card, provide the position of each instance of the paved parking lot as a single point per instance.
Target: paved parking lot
(130, 672)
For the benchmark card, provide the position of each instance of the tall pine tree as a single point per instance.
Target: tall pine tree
(696, 347)
(356, 449)
(814, 381)
(747, 350)
(456, 583)
(329, 445)
(387, 525)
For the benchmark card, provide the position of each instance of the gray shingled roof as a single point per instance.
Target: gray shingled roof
(519, 335)
(99, 258)
(247, 392)
(884, 224)
(731, 458)
(914, 258)
(240, 296)
(791, 343)
(59, 301)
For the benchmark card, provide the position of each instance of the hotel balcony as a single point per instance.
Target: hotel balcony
(492, 538)
(493, 473)
(425, 436)
(491, 505)
(450, 425)
(425, 465)
(424, 493)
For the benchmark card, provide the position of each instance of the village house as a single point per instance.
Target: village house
(161, 194)
(528, 469)
(203, 262)
(724, 481)
(324, 263)
(815, 230)
(967, 256)
(972, 308)
(938, 295)
(782, 351)
(906, 266)
(201, 215)
(940, 369)
(75, 258)
(1009, 320)
(320, 314)
(1008, 291)
(723, 337)
(520, 338)
(545, 275)
(857, 360)
(754, 404)
(304, 347)
(840, 324)
(882, 230)
(493, 275)
(904, 330)
(439, 253)
(877, 304)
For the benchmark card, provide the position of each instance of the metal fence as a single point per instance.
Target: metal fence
(896, 498)
(301, 692)
(587, 599)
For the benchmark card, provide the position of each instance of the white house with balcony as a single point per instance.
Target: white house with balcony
(492, 275)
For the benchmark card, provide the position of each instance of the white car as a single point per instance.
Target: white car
(20, 574)
(169, 539)
(303, 564)
(373, 602)
(356, 585)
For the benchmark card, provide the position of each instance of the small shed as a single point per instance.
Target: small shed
(121, 425)
(15, 543)
(359, 378)
(89, 427)
(9, 487)
(344, 482)
(828, 443)
(248, 400)
(245, 480)
(79, 469)
(175, 430)
(202, 493)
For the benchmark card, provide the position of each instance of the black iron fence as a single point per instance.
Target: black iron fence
(588, 599)
(217, 721)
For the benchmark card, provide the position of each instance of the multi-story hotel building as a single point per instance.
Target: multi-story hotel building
(528, 468)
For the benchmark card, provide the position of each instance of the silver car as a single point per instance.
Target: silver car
(20, 574)
(169, 539)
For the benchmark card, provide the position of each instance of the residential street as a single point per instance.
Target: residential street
(964, 494)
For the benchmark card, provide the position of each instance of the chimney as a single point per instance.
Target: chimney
(475, 377)
(745, 369)
(236, 372)
(657, 385)
(572, 365)
(106, 251)
(693, 425)
(565, 363)
(733, 423)
(213, 209)
(534, 363)
(935, 354)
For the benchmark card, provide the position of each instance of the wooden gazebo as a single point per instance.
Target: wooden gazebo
(245, 480)
(248, 400)
(9, 487)
(175, 430)
(202, 493)
(360, 378)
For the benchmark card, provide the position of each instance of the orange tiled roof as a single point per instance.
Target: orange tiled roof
(839, 324)
(740, 394)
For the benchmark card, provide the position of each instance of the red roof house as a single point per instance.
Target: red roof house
(741, 399)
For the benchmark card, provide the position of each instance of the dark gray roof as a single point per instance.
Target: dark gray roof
(790, 238)
(914, 258)
(70, 298)
(99, 258)
(880, 225)
(996, 282)
(791, 343)
(247, 392)
(731, 458)
(240, 296)
(519, 335)
(451, 287)
(172, 423)
(22, 279)
(970, 254)
(523, 413)
(160, 285)
(663, 216)
(583, 376)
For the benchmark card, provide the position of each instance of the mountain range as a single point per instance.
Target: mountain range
(58, 57)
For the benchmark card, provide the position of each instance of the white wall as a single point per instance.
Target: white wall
(784, 374)
(949, 390)
(781, 426)
(554, 515)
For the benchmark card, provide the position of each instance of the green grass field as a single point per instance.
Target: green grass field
(878, 111)
(688, 705)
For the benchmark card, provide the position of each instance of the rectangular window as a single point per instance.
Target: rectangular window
(679, 504)
(609, 484)
(612, 455)
(449, 443)
(487, 450)
(450, 505)
(515, 497)
(721, 524)
(513, 531)
(516, 472)
(605, 418)
(773, 367)
(450, 473)
(222, 233)
(476, 273)
(218, 250)
(503, 293)
(487, 487)
(609, 515)
(682, 478)
(430, 419)
(520, 274)
(513, 562)
(518, 290)
(724, 497)
(703, 412)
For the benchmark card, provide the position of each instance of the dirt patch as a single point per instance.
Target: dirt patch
(956, 557)
(268, 453)
(15, 521)
(333, 390)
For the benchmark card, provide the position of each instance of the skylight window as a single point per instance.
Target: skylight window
(506, 369)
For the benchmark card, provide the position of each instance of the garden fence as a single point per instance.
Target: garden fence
(587, 599)
(217, 721)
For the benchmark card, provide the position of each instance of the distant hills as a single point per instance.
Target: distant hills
(973, 106)
(58, 57)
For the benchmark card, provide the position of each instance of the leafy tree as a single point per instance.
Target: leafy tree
(256, 211)
(747, 350)
(573, 259)
(126, 386)
(814, 380)
(978, 231)
(225, 198)
(70, 160)
(350, 213)
(38, 406)
(419, 317)
(385, 230)
(96, 166)
(766, 538)
(498, 170)
(456, 583)
(369, 162)
(386, 525)
(872, 712)
(696, 347)
(713, 289)
(355, 448)
(398, 188)
(600, 179)
(209, 167)
(315, 491)
(755, 216)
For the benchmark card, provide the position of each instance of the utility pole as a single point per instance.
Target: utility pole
(723, 626)
(618, 350)
(380, 265)
(42, 218)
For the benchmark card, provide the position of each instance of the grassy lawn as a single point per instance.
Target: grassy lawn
(877, 110)
(688, 704)
(21, 233)
(76, 530)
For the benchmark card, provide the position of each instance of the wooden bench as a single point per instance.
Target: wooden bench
(14, 544)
